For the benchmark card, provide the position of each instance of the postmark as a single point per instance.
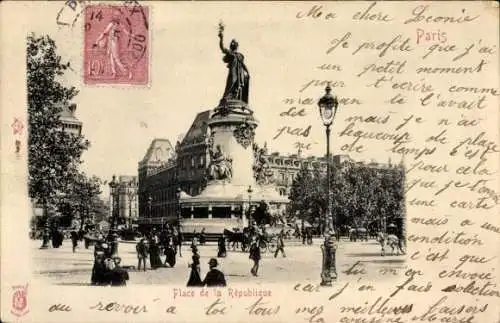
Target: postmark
(19, 306)
(70, 12)
(116, 45)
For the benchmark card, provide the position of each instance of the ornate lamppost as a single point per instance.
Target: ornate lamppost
(114, 187)
(131, 194)
(250, 191)
(328, 105)
(113, 190)
(178, 211)
(178, 208)
(150, 202)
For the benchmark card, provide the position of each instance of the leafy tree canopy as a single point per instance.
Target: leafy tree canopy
(53, 154)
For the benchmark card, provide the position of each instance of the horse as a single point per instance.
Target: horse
(392, 241)
(236, 238)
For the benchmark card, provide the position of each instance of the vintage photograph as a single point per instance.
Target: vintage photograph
(249, 161)
(209, 207)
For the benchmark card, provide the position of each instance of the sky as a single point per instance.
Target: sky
(187, 76)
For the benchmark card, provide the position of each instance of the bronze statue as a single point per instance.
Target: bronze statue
(262, 170)
(238, 78)
(221, 166)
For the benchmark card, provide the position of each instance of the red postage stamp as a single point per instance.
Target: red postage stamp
(20, 300)
(116, 46)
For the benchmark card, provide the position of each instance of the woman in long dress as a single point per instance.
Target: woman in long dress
(194, 276)
(170, 253)
(154, 253)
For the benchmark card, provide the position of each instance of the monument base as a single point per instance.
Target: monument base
(223, 205)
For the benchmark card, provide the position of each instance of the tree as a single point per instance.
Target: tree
(261, 214)
(53, 154)
(84, 191)
(300, 192)
(361, 194)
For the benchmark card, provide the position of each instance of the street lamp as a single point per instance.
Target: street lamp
(328, 105)
(179, 235)
(150, 202)
(131, 194)
(178, 196)
(113, 187)
(250, 191)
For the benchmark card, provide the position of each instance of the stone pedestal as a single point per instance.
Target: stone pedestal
(231, 136)
(232, 127)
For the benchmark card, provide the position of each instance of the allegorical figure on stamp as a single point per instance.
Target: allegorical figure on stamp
(110, 39)
(238, 78)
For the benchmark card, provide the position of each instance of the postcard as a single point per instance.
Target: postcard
(218, 161)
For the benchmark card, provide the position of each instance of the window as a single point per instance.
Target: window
(221, 212)
(186, 213)
(200, 213)
(202, 160)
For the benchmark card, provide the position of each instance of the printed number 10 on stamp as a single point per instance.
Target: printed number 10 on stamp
(116, 45)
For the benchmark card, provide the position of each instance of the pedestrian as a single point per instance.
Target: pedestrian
(309, 236)
(56, 238)
(154, 253)
(115, 275)
(179, 239)
(74, 239)
(202, 237)
(255, 256)
(106, 249)
(142, 253)
(194, 276)
(194, 242)
(280, 245)
(236, 234)
(215, 277)
(98, 270)
(195, 236)
(170, 252)
(303, 232)
(222, 246)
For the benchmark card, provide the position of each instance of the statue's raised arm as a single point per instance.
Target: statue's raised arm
(221, 39)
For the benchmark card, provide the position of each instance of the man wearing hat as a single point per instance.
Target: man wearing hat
(255, 255)
(142, 253)
(215, 277)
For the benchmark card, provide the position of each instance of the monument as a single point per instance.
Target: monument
(237, 172)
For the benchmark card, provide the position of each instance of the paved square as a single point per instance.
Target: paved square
(302, 264)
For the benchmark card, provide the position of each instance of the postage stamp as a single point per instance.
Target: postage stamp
(116, 45)
(20, 300)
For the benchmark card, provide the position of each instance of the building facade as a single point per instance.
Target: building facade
(70, 124)
(124, 202)
(164, 169)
